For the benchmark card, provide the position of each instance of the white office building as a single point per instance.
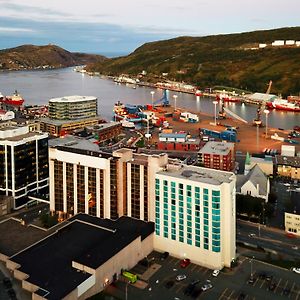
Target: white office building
(195, 215)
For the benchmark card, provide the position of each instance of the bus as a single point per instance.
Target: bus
(130, 276)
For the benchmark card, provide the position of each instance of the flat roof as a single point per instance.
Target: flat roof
(198, 174)
(23, 136)
(219, 148)
(75, 142)
(74, 98)
(86, 240)
(15, 237)
(293, 161)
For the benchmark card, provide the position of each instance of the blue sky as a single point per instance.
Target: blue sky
(121, 26)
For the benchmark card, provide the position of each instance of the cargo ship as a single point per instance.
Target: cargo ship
(14, 100)
(283, 104)
(129, 112)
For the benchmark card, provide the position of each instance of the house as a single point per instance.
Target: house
(255, 183)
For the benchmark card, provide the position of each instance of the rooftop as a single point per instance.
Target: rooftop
(72, 141)
(86, 240)
(74, 98)
(288, 161)
(219, 148)
(199, 174)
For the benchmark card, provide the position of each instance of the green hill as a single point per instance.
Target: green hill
(43, 57)
(229, 60)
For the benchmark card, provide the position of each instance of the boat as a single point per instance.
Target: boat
(129, 112)
(15, 99)
(198, 93)
(283, 104)
(1, 96)
(226, 98)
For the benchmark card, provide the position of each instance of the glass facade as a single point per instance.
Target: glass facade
(189, 214)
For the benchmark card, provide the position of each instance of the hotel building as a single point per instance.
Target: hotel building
(83, 179)
(23, 163)
(217, 155)
(195, 215)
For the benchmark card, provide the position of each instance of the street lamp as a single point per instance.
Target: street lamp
(267, 113)
(152, 94)
(251, 266)
(215, 103)
(175, 98)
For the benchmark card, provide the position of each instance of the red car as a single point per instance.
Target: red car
(184, 263)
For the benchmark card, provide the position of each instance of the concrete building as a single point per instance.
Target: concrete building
(73, 107)
(6, 204)
(278, 43)
(292, 223)
(23, 163)
(70, 113)
(288, 166)
(255, 184)
(84, 179)
(195, 215)
(82, 257)
(217, 155)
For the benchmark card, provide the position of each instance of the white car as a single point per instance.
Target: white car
(180, 277)
(296, 270)
(215, 273)
(206, 287)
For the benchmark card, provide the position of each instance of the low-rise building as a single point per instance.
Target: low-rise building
(288, 166)
(217, 155)
(82, 257)
(6, 204)
(255, 184)
(265, 164)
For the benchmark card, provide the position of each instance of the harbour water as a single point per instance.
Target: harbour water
(37, 87)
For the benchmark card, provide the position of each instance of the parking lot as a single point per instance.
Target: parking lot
(269, 282)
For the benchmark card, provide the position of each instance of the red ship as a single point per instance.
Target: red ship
(282, 104)
(226, 98)
(15, 99)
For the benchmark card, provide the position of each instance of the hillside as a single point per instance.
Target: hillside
(43, 57)
(229, 60)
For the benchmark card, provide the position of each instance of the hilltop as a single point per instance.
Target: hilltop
(230, 60)
(43, 57)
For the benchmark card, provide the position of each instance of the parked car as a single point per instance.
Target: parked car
(296, 270)
(215, 273)
(180, 277)
(242, 296)
(206, 287)
(189, 289)
(184, 263)
(164, 255)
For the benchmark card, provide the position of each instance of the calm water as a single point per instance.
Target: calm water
(37, 87)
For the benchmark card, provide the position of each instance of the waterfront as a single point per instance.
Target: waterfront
(37, 87)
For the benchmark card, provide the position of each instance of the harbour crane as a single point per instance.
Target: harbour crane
(261, 106)
(164, 101)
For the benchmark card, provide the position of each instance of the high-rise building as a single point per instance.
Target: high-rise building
(195, 214)
(23, 163)
(70, 113)
(217, 155)
(83, 179)
(73, 107)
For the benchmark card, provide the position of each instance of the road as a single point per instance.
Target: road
(268, 238)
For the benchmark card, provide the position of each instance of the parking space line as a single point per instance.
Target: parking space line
(193, 268)
(232, 292)
(263, 281)
(292, 289)
(178, 289)
(277, 285)
(224, 292)
(298, 294)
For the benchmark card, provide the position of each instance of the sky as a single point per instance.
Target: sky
(120, 26)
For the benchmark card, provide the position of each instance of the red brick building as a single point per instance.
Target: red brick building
(217, 155)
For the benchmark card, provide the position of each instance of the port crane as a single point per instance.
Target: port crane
(261, 106)
(164, 101)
